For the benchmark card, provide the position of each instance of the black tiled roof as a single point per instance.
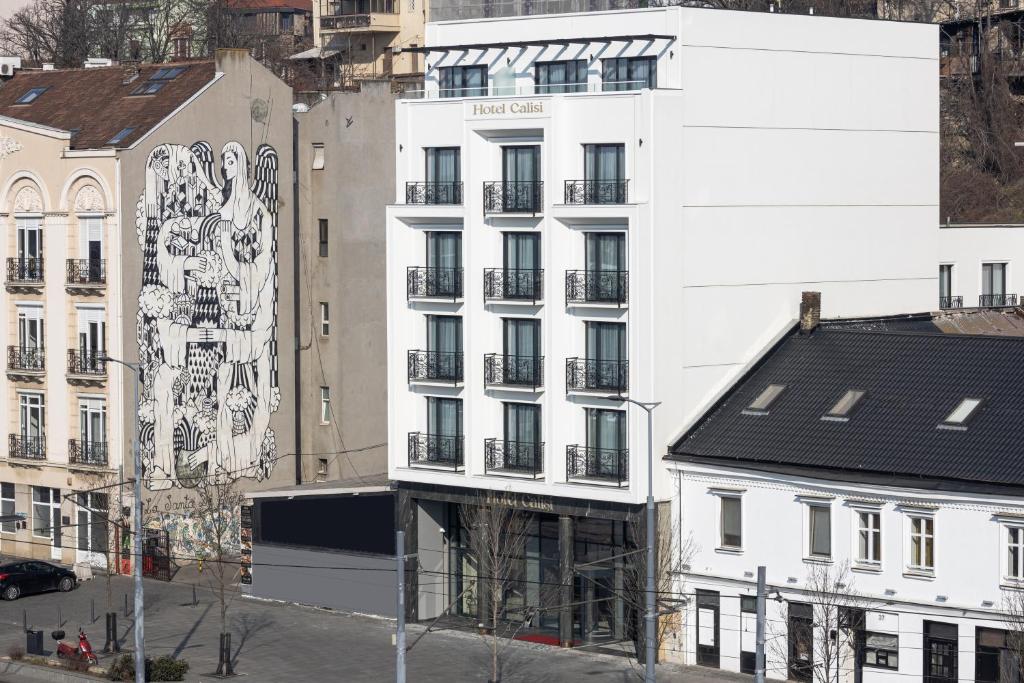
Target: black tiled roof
(913, 381)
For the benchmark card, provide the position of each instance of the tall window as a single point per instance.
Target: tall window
(606, 430)
(606, 352)
(522, 425)
(30, 328)
(444, 346)
(92, 333)
(319, 157)
(945, 284)
(45, 512)
(922, 543)
(604, 172)
(92, 522)
(30, 239)
(90, 246)
(325, 319)
(92, 427)
(993, 279)
(522, 351)
(731, 522)
(325, 405)
(629, 73)
(444, 417)
(820, 530)
(32, 420)
(443, 175)
(869, 537)
(606, 266)
(463, 81)
(560, 77)
(1015, 553)
(322, 225)
(7, 507)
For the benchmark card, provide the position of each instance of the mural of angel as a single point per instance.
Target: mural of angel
(207, 320)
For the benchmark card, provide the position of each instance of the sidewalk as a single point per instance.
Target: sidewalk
(280, 642)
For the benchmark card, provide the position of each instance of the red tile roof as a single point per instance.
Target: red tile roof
(97, 104)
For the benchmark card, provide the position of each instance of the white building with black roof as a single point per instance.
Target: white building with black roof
(887, 452)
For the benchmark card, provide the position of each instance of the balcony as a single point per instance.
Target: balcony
(24, 272)
(433, 193)
(88, 453)
(86, 364)
(21, 447)
(947, 302)
(596, 287)
(596, 191)
(510, 284)
(590, 374)
(513, 196)
(996, 300)
(435, 451)
(86, 274)
(513, 457)
(358, 16)
(433, 283)
(435, 366)
(608, 465)
(25, 360)
(513, 371)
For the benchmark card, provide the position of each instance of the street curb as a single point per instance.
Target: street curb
(44, 673)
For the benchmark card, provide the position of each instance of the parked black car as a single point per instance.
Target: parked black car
(32, 576)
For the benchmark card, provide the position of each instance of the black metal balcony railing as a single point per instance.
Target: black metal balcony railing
(84, 362)
(521, 371)
(26, 358)
(951, 302)
(86, 272)
(607, 464)
(344, 22)
(997, 300)
(596, 287)
(25, 271)
(590, 374)
(26, 447)
(87, 452)
(435, 450)
(433, 283)
(511, 284)
(513, 196)
(596, 191)
(438, 366)
(519, 457)
(433, 193)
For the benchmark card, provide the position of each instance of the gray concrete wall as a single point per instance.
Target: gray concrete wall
(368, 588)
(357, 131)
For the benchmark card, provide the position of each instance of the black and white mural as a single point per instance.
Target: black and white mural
(207, 320)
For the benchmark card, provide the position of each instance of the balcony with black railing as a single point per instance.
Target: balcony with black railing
(592, 374)
(597, 287)
(86, 273)
(433, 283)
(435, 366)
(359, 15)
(514, 457)
(85, 363)
(90, 453)
(26, 359)
(23, 447)
(435, 451)
(501, 196)
(596, 191)
(997, 300)
(433, 193)
(24, 272)
(610, 465)
(513, 284)
(513, 371)
(947, 302)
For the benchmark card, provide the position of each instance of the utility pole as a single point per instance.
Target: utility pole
(400, 558)
(759, 667)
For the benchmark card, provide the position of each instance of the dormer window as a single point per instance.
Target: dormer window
(765, 399)
(31, 96)
(961, 414)
(841, 411)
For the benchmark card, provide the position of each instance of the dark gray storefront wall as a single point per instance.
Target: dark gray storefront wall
(340, 580)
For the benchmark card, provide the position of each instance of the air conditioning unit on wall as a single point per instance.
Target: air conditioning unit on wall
(8, 65)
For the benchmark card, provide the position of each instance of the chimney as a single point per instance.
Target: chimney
(130, 71)
(810, 311)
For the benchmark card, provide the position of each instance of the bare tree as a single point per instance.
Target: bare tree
(1011, 661)
(497, 539)
(55, 31)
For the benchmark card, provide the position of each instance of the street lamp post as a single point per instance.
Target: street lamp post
(650, 610)
(140, 640)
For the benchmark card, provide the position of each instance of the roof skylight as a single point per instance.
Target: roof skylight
(765, 399)
(963, 412)
(149, 88)
(121, 135)
(31, 96)
(844, 406)
(167, 74)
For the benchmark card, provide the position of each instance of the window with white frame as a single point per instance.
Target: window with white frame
(325, 319)
(325, 405)
(922, 543)
(730, 521)
(881, 650)
(7, 508)
(1014, 552)
(869, 537)
(819, 530)
(45, 511)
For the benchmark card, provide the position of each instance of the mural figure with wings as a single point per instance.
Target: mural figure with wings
(207, 320)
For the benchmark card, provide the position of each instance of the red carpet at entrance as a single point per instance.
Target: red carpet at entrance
(543, 639)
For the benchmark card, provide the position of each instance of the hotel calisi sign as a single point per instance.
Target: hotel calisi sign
(507, 109)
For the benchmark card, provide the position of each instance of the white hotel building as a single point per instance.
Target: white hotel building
(627, 204)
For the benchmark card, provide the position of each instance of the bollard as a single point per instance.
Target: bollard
(195, 601)
(60, 622)
(92, 610)
(24, 619)
(125, 605)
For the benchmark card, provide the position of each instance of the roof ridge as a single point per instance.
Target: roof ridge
(913, 333)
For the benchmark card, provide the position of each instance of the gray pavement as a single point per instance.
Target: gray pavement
(281, 642)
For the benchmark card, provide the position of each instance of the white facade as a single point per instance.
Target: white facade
(965, 586)
(777, 153)
(966, 249)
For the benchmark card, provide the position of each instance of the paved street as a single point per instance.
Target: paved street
(277, 642)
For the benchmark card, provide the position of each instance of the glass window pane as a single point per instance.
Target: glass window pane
(731, 522)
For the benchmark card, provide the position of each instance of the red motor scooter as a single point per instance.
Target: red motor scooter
(82, 653)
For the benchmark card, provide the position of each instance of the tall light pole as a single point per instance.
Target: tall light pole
(650, 610)
(140, 631)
